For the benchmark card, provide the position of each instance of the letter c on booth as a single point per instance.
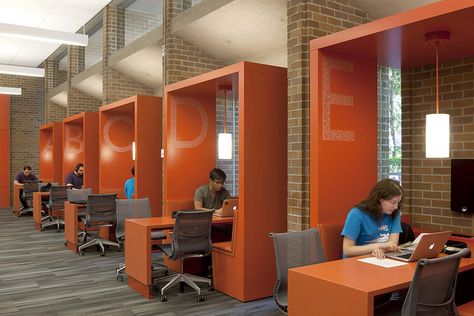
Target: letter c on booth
(107, 139)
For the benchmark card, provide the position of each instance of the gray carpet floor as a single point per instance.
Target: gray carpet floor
(40, 276)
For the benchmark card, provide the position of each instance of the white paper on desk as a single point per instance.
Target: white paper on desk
(386, 263)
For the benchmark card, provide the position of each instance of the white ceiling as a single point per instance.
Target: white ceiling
(58, 15)
(378, 9)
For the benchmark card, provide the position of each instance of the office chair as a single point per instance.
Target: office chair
(57, 197)
(134, 208)
(28, 188)
(100, 212)
(79, 197)
(191, 238)
(293, 249)
(432, 289)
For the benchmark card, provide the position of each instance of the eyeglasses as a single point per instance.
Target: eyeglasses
(218, 182)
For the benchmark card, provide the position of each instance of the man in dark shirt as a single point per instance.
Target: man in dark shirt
(22, 177)
(75, 179)
(211, 195)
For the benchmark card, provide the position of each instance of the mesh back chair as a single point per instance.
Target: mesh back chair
(432, 289)
(80, 196)
(191, 238)
(100, 212)
(293, 249)
(28, 188)
(57, 197)
(134, 208)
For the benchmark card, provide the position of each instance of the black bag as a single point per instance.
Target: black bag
(406, 235)
(46, 187)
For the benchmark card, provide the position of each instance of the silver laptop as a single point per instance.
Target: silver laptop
(78, 196)
(429, 246)
(228, 208)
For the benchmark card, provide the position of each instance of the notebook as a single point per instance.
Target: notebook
(429, 246)
(228, 208)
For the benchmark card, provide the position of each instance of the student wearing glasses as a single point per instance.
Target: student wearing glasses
(211, 195)
(373, 226)
(75, 179)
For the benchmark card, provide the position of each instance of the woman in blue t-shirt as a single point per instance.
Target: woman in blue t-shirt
(373, 226)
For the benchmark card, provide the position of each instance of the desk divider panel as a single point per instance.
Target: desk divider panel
(51, 152)
(249, 273)
(138, 119)
(5, 152)
(81, 144)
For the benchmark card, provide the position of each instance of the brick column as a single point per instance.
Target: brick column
(78, 101)
(181, 59)
(116, 86)
(384, 99)
(307, 19)
(52, 78)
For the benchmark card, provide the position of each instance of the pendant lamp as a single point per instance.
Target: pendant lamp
(224, 140)
(437, 125)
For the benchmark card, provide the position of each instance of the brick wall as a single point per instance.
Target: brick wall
(139, 23)
(182, 60)
(383, 96)
(427, 182)
(54, 112)
(26, 115)
(307, 19)
(116, 86)
(80, 102)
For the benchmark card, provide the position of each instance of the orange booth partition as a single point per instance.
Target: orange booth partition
(81, 144)
(5, 152)
(51, 152)
(136, 120)
(248, 271)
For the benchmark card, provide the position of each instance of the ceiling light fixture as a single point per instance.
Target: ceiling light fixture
(44, 35)
(224, 140)
(437, 125)
(11, 91)
(21, 71)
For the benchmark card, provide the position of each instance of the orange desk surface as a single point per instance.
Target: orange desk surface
(16, 198)
(346, 287)
(138, 248)
(37, 198)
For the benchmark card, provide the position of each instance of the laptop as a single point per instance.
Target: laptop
(78, 196)
(429, 246)
(228, 208)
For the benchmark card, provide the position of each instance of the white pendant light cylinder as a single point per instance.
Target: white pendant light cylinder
(437, 136)
(224, 145)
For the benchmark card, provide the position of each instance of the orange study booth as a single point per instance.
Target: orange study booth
(51, 152)
(343, 127)
(247, 272)
(81, 144)
(5, 153)
(134, 120)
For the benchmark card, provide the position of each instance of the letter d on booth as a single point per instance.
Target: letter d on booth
(187, 107)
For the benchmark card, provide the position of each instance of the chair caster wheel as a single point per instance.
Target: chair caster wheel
(163, 298)
(211, 287)
(201, 298)
(102, 254)
(119, 278)
(42, 229)
(81, 253)
(58, 230)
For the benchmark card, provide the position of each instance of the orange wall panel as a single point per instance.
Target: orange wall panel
(343, 155)
(5, 152)
(190, 143)
(51, 152)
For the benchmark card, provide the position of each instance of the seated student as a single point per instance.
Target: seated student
(75, 179)
(129, 186)
(21, 177)
(373, 226)
(211, 195)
